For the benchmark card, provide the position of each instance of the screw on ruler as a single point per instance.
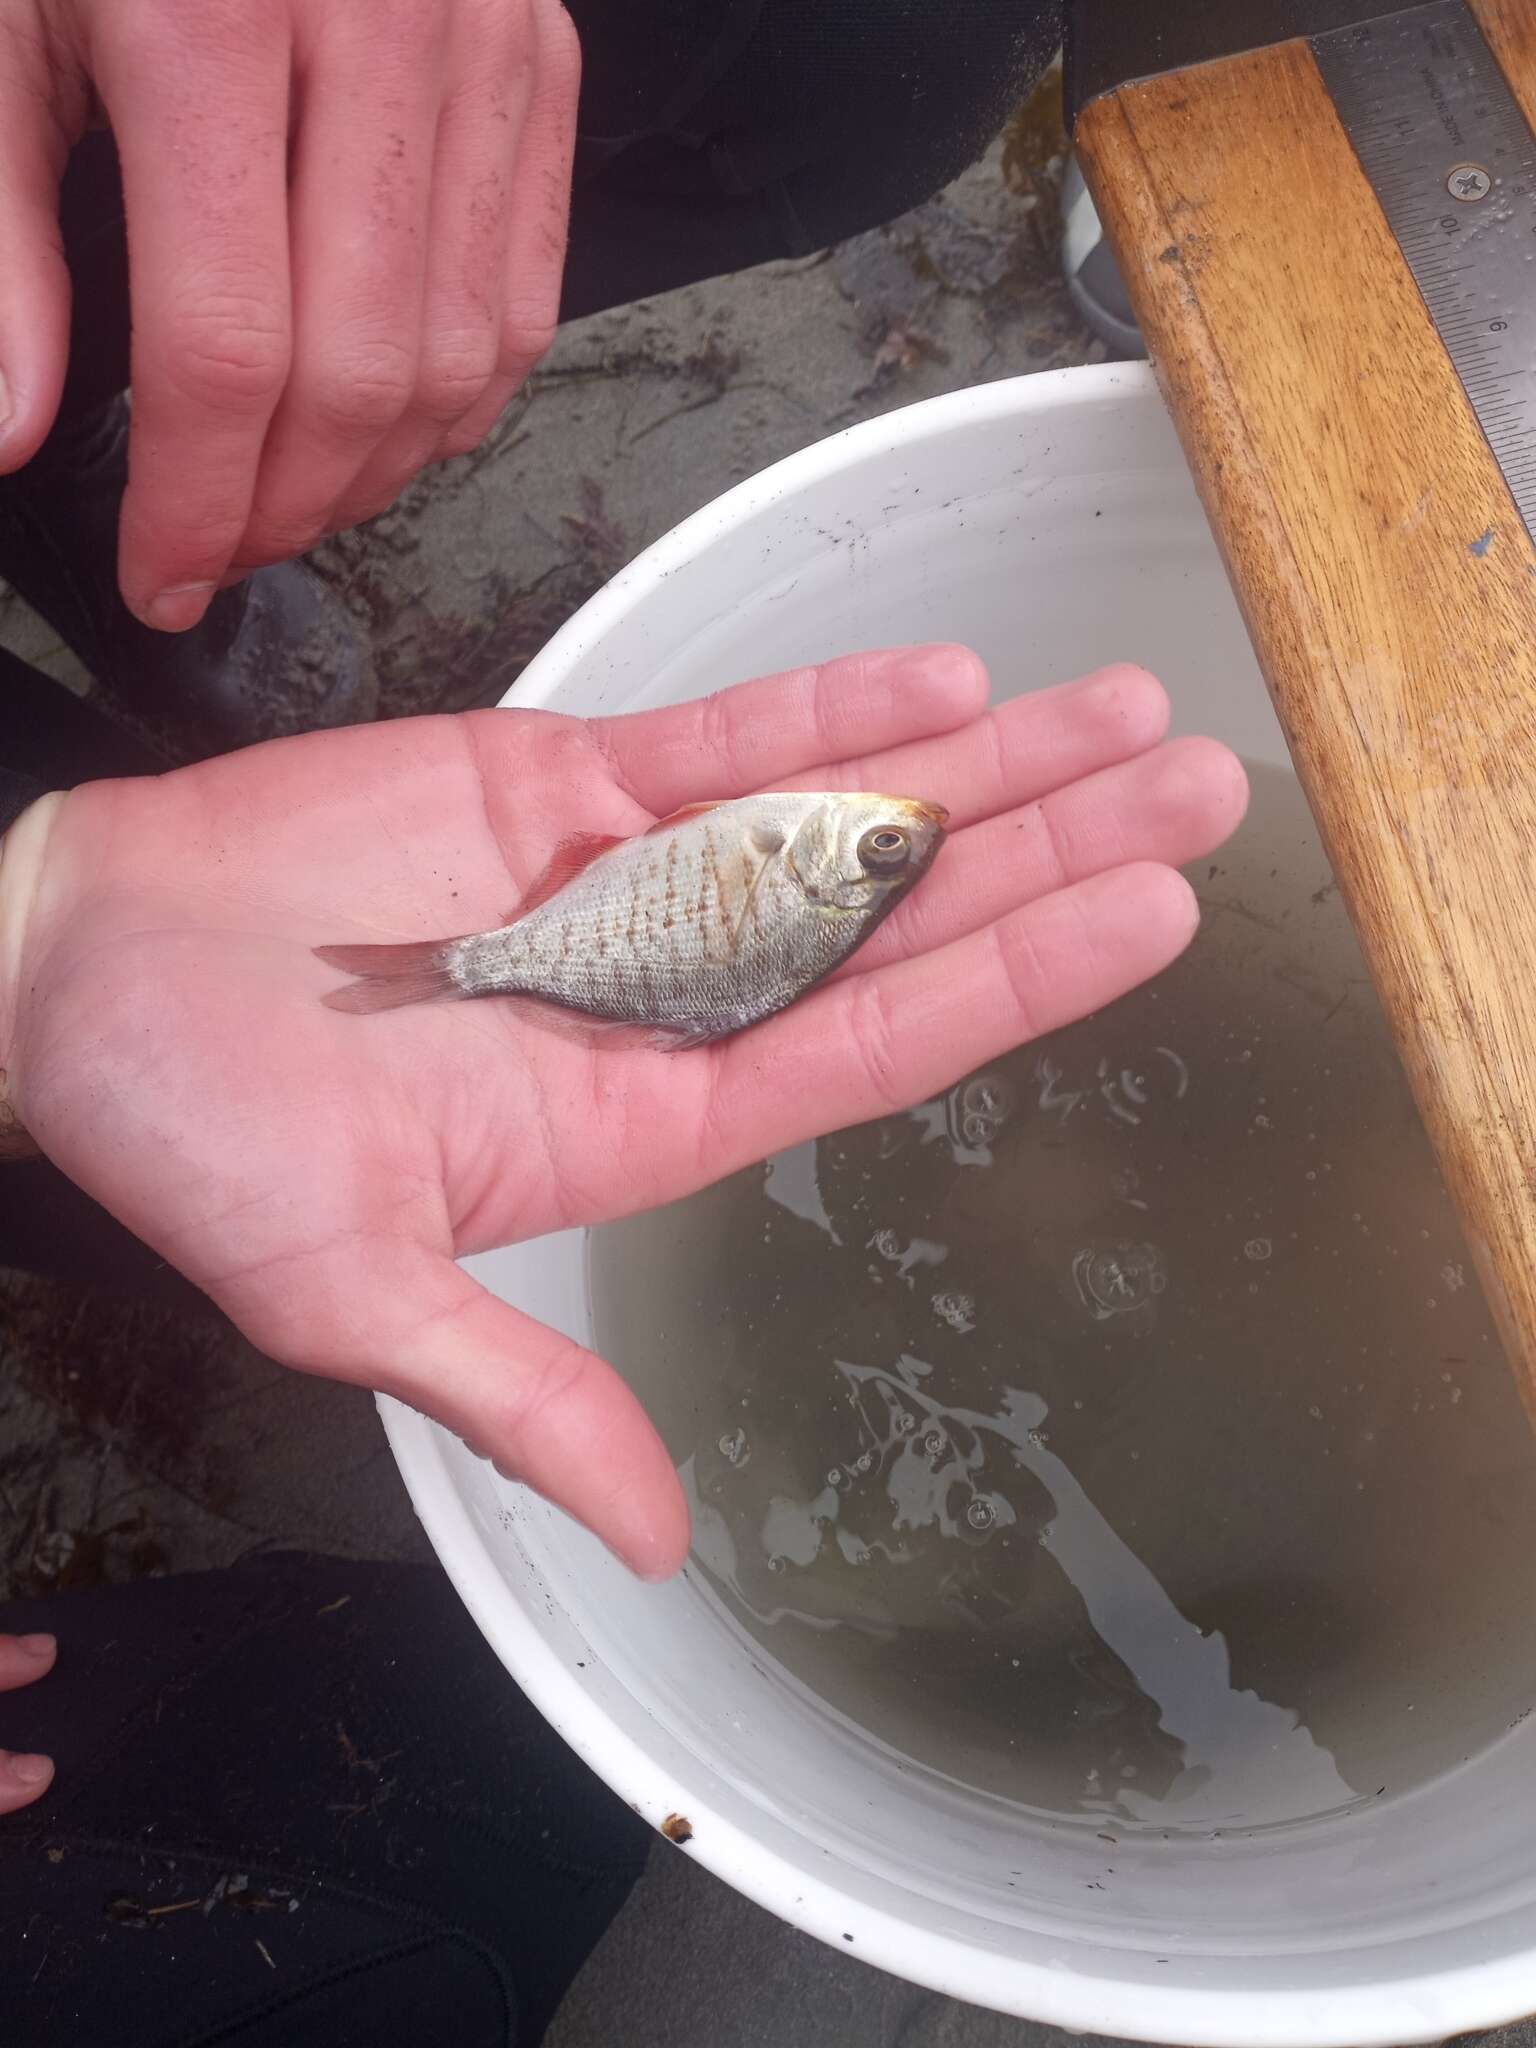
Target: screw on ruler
(1469, 182)
(1430, 114)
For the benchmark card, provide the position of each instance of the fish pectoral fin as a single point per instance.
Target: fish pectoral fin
(573, 854)
(739, 929)
(686, 1037)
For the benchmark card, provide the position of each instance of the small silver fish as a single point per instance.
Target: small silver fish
(713, 919)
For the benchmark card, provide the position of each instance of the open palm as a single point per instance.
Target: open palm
(317, 1173)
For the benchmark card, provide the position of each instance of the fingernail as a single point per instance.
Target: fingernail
(174, 610)
(32, 1770)
(38, 1646)
(643, 1567)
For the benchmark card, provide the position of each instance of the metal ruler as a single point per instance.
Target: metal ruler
(1452, 162)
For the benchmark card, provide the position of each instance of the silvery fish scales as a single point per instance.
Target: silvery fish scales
(712, 920)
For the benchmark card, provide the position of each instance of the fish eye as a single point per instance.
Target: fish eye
(884, 848)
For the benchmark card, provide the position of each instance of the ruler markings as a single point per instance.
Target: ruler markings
(1424, 103)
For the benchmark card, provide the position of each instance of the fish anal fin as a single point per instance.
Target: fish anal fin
(609, 1034)
(569, 859)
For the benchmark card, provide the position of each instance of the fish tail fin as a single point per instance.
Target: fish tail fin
(389, 977)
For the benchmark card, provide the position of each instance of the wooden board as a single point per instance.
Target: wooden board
(1387, 580)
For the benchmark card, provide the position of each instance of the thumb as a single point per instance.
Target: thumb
(34, 279)
(409, 1322)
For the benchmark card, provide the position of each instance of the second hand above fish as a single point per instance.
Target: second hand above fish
(712, 920)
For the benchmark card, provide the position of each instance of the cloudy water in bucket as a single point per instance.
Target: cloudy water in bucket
(1123, 1434)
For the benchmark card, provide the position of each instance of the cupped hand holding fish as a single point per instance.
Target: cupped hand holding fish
(707, 922)
(166, 1039)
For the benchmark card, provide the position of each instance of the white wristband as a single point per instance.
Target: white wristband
(23, 846)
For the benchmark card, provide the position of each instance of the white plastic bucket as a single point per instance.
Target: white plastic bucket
(1051, 524)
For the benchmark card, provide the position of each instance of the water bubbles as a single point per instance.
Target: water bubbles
(1178, 1068)
(1126, 1093)
(903, 1421)
(1455, 1278)
(863, 1462)
(1123, 1094)
(981, 1514)
(958, 1310)
(778, 1564)
(922, 1251)
(1118, 1279)
(935, 1442)
(838, 1477)
(1052, 1095)
(734, 1447)
(1258, 1249)
(988, 1095)
(971, 1115)
(984, 1105)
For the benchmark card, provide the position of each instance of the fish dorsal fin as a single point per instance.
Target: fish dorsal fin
(568, 860)
(681, 817)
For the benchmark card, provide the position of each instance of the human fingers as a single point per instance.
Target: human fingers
(912, 722)
(876, 1042)
(25, 1658)
(759, 735)
(408, 1321)
(501, 199)
(1016, 752)
(1172, 805)
(372, 79)
(198, 100)
(24, 1775)
(39, 109)
(533, 263)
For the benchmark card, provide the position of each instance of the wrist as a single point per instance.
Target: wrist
(23, 852)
